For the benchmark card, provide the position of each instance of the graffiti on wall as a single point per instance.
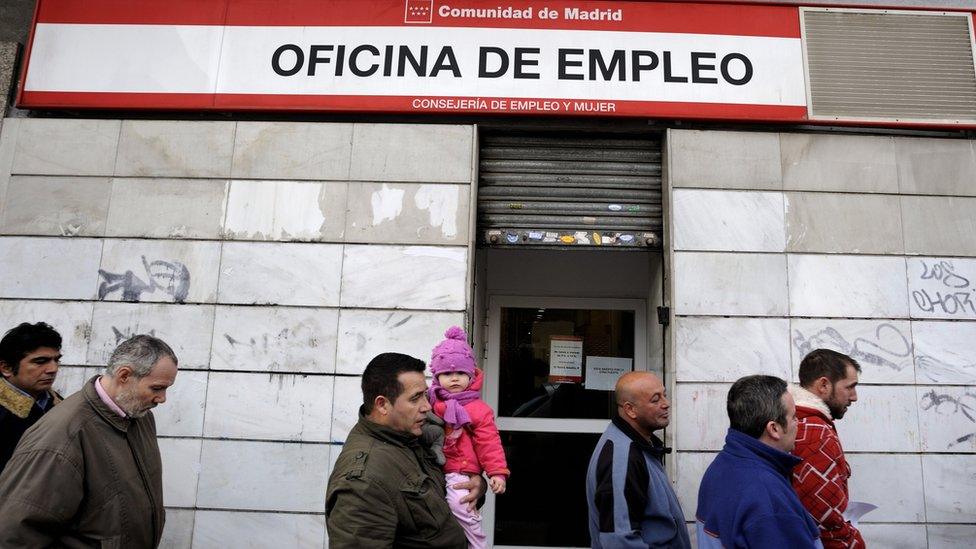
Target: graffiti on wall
(955, 410)
(888, 348)
(942, 288)
(170, 278)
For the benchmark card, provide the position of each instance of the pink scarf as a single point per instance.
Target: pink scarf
(455, 415)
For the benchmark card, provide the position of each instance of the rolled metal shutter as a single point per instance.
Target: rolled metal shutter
(557, 190)
(890, 66)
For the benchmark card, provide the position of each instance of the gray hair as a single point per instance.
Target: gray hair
(140, 353)
(754, 401)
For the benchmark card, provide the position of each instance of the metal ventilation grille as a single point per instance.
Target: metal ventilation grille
(890, 66)
(554, 190)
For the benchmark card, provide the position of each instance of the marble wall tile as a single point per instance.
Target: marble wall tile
(950, 482)
(303, 274)
(71, 379)
(847, 286)
(698, 416)
(166, 208)
(178, 532)
(391, 213)
(945, 352)
(363, 334)
(159, 271)
(258, 530)
(275, 339)
(175, 148)
(884, 419)
(883, 348)
(8, 143)
(61, 206)
(871, 481)
(50, 146)
(292, 150)
(424, 153)
(71, 319)
(942, 287)
(850, 163)
(730, 284)
(935, 166)
(893, 536)
(49, 268)
(725, 349)
(724, 160)
(728, 221)
(345, 409)
(950, 536)
(181, 467)
(426, 277)
(285, 210)
(182, 413)
(947, 418)
(689, 469)
(294, 476)
(269, 406)
(843, 223)
(939, 225)
(186, 328)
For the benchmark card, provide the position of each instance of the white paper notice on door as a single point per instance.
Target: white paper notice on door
(565, 359)
(602, 371)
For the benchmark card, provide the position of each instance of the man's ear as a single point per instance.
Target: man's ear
(774, 431)
(123, 374)
(382, 405)
(822, 386)
(6, 370)
(629, 409)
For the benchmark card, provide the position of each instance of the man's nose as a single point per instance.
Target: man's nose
(161, 398)
(425, 406)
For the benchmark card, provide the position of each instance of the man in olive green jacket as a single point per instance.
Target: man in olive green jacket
(88, 474)
(386, 489)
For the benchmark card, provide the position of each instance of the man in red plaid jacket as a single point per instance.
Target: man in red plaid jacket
(828, 386)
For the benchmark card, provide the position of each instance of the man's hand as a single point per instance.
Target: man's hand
(476, 488)
(497, 484)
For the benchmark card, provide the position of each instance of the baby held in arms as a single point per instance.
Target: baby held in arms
(471, 441)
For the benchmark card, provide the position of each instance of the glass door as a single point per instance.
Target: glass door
(550, 370)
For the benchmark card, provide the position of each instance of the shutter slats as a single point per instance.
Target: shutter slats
(889, 66)
(556, 190)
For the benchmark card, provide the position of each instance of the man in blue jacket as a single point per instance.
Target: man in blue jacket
(745, 498)
(631, 502)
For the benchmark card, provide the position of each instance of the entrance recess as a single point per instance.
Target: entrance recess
(550, 367)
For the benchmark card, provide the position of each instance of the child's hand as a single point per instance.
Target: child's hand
(497, 484)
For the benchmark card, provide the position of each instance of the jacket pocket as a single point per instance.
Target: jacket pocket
(426, 504)
(114, 542)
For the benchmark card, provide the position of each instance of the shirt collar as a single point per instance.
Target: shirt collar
(107, 399)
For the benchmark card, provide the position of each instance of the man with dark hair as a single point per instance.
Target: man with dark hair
(745, 498)
(29, 358)
(630, 499)
(88, 474)
(828, 386)
(386, 489)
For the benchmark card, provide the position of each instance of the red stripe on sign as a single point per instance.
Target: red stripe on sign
(417, 105)
(675, 17)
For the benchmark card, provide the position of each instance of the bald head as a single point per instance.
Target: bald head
(642, 402)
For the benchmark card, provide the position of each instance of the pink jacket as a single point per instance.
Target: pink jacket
(477, 447)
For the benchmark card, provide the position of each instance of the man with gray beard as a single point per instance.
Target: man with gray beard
(88, 474)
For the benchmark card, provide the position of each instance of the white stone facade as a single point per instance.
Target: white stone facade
(276, 258)
(784, 243)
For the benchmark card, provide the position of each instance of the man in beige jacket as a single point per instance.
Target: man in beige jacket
(88, 474)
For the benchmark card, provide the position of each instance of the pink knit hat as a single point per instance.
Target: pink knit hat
(453, 354)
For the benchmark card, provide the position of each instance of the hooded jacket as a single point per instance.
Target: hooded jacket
(630, 499)
(746, 501)
(821, 480)
(18, 412)
(84, 477)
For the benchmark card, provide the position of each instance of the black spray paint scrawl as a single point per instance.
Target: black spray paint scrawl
(169, 277)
